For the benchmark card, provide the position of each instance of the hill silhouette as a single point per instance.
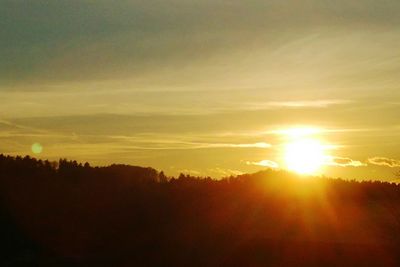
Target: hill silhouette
(72, 214)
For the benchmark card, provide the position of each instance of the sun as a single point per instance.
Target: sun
(304, 156)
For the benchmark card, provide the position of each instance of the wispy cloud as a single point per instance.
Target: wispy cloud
(221, 172)
(382, 161)
(17, 126)
(310, 130)
(254, 145)
(344, 162)
(324, 103)
(178, 143)
(264, 163)
(309, 103)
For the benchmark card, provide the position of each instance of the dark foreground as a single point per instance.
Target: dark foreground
(73, 215)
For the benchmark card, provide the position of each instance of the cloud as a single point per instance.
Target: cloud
(382, 161)
(253, 145)
(330, 161)
(344, 162)
(224, 172)
(264, 163)
(180, 143)
(75, 40)
(193, 145)
(309, 104)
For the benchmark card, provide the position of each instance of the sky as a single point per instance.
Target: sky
(202, 87)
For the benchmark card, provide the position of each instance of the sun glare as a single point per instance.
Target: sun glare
(303, 153)
(304, 156)
(299, 132)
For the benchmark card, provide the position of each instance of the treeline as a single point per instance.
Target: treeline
(31, 167)
(72, 214)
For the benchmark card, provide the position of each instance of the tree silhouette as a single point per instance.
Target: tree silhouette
(70, 214)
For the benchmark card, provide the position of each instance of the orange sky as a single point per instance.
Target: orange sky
(203, 87)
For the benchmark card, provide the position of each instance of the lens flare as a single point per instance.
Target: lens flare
(37, 148)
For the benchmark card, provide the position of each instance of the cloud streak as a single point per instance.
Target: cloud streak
(264, 163)
(382, 161)
(309, 103)
(221, 172)
(344, 162)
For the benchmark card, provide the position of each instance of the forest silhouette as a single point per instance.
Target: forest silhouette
(70, 214)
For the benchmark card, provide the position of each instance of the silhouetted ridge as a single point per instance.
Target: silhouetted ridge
(72, 214)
